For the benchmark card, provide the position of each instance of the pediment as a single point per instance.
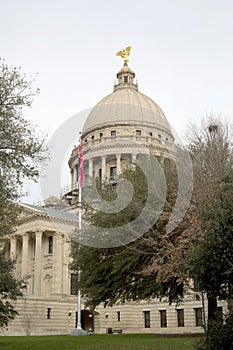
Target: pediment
(32, 212)
(27, 212)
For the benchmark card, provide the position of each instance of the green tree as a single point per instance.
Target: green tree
(132, 271)
(219, 336)
(10, 290)
(213, 260)
(160, 264)
(21, 154)
(211, 151)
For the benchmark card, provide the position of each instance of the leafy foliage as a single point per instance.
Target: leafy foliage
(21, 150)
(132, 271)
(159, 264)
(210, 258)
(10, 289)
(219, 336)
(215, 248)
(21, 154)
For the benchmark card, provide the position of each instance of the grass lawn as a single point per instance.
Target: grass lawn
(100, 342)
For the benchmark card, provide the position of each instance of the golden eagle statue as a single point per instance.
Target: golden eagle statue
(124, 54)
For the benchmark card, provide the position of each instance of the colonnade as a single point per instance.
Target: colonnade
(90, 166)
(35, 261)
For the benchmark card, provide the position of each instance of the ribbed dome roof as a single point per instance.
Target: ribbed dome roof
(126, 106)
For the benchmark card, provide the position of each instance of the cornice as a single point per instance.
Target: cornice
(45, 217)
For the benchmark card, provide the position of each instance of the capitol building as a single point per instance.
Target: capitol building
(121, 126)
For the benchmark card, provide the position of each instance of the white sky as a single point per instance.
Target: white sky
(182, 54)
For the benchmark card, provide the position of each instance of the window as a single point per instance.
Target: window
(92, 137)
(112, 172)
(163, 318)
(118, 316)
(150, 133)
(73, 284)
(198, 316)
(101, 134)
(85, 140)
(159, 136)
(180, 317)
(125, 79)
(100, 173)
(113, 133)
(48, 313)
(147, 319)
(50, 245)
(138, 133)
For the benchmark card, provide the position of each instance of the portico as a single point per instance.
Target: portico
(41, 250)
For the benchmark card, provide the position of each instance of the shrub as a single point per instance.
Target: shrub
(219, 336)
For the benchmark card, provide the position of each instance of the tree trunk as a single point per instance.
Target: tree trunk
(230, 298)
(230, 304)
(212, 307)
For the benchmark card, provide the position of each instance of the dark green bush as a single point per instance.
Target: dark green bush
(219, 336)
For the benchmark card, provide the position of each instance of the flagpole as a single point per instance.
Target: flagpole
(79, 272)
(79, 207)
(78, 330)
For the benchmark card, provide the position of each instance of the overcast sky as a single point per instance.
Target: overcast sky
(182, 54)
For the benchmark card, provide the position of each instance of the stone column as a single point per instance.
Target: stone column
(90, 168)
(72, 177)
(103, 167)
(25, 253)
(13, 248)
(134, 157)
(57, 275)
(118, 163)
(38, 262)
(75, 177)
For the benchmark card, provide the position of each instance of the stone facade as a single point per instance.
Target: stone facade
(41, 249)
(155, 316)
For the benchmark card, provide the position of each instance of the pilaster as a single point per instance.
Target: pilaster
(57, 274)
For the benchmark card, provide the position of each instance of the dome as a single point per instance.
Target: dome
(126, 106)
